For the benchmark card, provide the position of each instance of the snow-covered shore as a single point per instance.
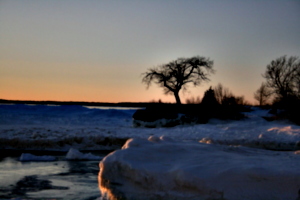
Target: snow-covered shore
(65, 127)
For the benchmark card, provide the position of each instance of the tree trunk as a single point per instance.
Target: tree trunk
(176, 94)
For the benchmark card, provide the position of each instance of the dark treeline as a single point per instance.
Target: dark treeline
(215, 104)
(82, 103)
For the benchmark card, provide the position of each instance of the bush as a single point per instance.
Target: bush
(169, 115)
(290, 107)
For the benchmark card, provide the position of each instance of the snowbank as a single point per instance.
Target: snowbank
(160, 168)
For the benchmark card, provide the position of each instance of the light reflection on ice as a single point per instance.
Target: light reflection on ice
(285, 130)
(112, 107)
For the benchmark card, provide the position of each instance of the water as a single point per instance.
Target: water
(59, 179)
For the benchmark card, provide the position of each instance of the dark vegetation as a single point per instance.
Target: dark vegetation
(230, 108)
(280, 93)
(176, 76)
(281, 90)
(187, 114)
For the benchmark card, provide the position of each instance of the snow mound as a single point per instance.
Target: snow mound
(159, 168)
(74, 154)
(31, 157)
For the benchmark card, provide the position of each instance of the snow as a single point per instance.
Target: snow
(161, 168)
(74, 154)
(64, 127)
(31, 157)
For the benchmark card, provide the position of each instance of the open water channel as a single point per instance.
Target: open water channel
(60, 179)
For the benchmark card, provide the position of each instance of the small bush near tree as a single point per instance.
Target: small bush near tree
(193, 100)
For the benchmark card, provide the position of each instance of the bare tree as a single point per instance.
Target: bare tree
(225, 97)
(262, 94)
(283, 76)
(176, 75)
(193, 100)
(222, 93)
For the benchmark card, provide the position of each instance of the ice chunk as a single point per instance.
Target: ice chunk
(161, 138)
(31, 157)
(191, 170)
(74, 154)
(154, 139)
(166, 138)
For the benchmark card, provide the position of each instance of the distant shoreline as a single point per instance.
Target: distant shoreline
(82, 103)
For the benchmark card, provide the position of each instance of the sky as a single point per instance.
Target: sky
(96, 51)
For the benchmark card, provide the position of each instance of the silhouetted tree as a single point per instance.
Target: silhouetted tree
(222, 93)
(283, 77)
(176, 75)
(193, 100)
(209, 98)
(262, 94)
(225, 97)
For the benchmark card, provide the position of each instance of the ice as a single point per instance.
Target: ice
(74, 154)
(31, 157)
(162, 169)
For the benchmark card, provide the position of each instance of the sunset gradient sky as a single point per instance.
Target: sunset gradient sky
(92, 50)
